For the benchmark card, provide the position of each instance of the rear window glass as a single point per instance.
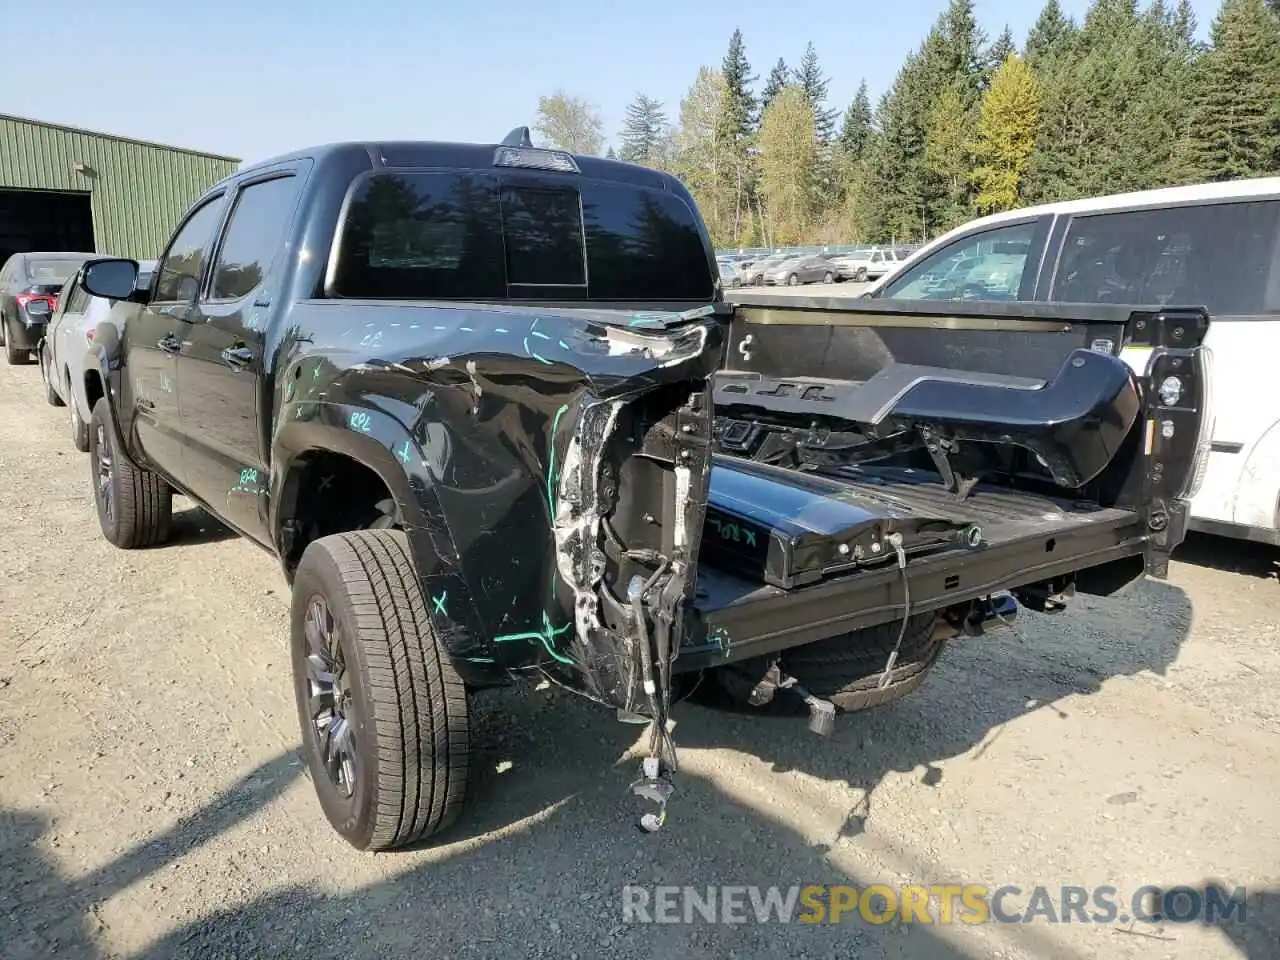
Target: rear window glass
(475, 237)
(52, 271)
(1217, 256)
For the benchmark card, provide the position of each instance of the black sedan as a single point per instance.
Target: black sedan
(29, 285)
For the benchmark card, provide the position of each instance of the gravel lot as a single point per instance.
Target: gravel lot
(151, 803)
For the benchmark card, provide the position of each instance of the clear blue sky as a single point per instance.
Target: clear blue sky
(252, 78)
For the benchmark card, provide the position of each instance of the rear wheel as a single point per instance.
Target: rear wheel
(860, 275)
(827, 277)
(383, 713)
(845, 669)
(12, 354)
(79, 429)
(50, 394)
(135, 506)
(792, 280)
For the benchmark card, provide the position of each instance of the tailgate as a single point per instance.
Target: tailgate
(1102, 404)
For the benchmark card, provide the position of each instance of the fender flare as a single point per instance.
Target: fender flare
(110, 395)
(382, 444)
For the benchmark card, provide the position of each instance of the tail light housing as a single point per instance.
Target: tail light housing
(1177, 385)
(24, 299)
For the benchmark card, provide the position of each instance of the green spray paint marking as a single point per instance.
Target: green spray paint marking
(730, 531)
(720, 637)
(439, 602)
(551, 466)
(479, 659)
(403, 453)
(545, 636)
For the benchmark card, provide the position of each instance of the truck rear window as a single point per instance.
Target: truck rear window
(478, 236)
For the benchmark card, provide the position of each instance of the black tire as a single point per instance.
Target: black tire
(50, 394)
(407, 706)
(844, 669)
(13, 355)
(860, 276)
(135, 506)
(792, 280)
(828, 277)
(79, 429)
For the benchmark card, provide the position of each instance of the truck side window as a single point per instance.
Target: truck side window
(543, 230)
(982, 266)
(183, 265)
(643, 244)
(78, 301)
(1215, 255)
(423, 236)
(253, 236)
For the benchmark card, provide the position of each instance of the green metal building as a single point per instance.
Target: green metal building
(62, 188)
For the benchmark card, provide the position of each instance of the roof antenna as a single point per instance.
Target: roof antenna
(519, 137)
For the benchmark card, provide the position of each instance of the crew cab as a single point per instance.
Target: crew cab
(490, 409)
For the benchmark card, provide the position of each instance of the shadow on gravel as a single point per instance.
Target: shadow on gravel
(42, 912)
(194, 525)
(537, 865)
(1258, 937)
(1231, 556)
(979, 686)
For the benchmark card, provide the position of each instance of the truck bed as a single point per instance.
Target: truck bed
(1052, 474)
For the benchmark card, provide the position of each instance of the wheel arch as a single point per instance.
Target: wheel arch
(304, 451)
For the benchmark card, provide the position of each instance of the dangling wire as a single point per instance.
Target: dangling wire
(895, 541)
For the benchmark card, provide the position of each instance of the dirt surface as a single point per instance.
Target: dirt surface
(152, 805)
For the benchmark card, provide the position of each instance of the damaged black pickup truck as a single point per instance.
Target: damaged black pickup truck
(490, 409)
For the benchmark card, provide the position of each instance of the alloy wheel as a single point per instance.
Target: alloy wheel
(104, 467)
(330, 696)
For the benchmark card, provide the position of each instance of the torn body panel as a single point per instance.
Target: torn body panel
(535, 486)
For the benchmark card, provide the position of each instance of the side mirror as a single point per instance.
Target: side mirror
(38, 308)
(110, 279)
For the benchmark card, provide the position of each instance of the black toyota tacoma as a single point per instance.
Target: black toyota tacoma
(489, 407)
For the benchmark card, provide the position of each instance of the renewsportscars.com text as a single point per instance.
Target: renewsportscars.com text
(935, 904)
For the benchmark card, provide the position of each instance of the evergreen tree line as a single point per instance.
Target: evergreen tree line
(1126, 100)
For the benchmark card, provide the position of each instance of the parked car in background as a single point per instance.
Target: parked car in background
(730, 276)
(1214, 245)
(870, 264)
(29, 285)
(815, 268)
(754, 274)
(66, 352)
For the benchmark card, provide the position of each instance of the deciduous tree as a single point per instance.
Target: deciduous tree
(1008, 122)
(569, 123)
(788, 151)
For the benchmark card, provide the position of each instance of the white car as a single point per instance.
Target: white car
(870, 264)
(1212, 245)
(67, 349)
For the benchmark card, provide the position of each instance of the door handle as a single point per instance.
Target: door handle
(239, 356)
(170, 345)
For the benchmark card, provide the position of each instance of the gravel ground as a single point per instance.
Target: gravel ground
(152, 805)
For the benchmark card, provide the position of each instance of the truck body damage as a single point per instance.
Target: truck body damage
(572, 467)
(552, 463)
